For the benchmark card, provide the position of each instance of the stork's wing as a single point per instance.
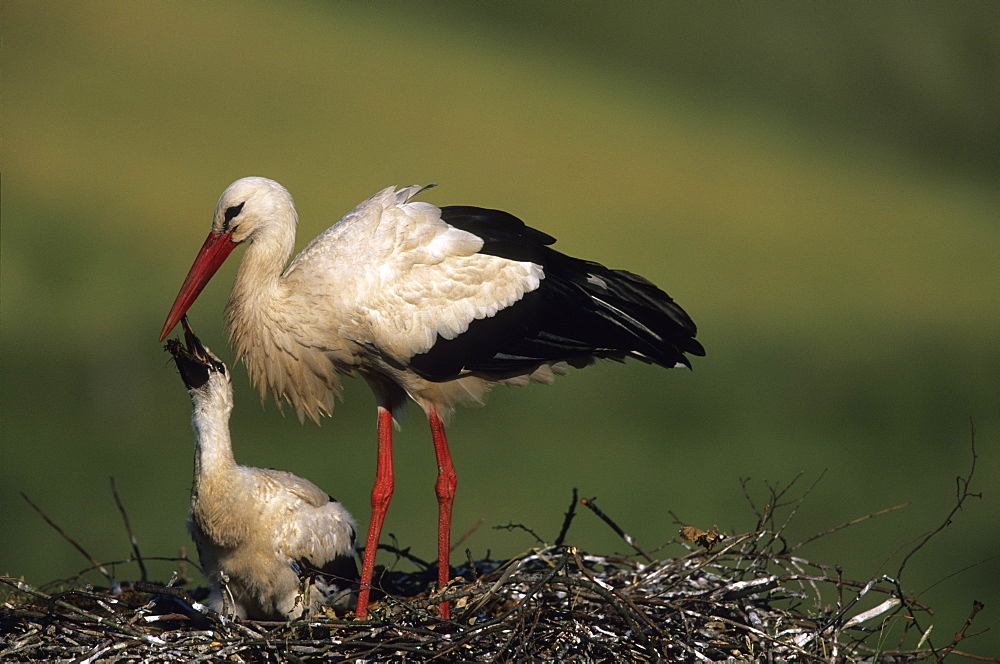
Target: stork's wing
(311, 526)
(581, 310)
(393, 275)
(447, 290)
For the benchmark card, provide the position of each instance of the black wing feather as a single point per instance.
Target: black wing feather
(581, 309)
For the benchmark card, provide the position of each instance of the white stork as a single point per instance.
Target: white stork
(272, 544)
(434, 304)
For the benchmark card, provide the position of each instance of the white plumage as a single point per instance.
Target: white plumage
(369, 306)
(426, 303)
(272, 544)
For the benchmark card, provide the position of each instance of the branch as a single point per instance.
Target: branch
(848, 524)
(93, 561)
(962, 493)
(614, 526)
(976, 608)
(570, 513)
(128, 529)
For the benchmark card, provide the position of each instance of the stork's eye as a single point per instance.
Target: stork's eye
(233, 211)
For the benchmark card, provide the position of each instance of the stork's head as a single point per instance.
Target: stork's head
(251, 209)
(247, 207)
(200, 369)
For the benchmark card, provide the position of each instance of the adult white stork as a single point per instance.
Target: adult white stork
(434, 304)
(272, 544)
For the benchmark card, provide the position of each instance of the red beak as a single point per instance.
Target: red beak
(210, 258)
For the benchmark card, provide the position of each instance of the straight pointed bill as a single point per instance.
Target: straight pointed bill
(210, 258)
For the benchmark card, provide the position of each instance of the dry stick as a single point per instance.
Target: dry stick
(142, 612)
(100, 620)
(128, 529)
(615, 598)
(467, 534)
(771, 508)
(767, 512)
(519, 526)
(976, 608)
(614, 592)
(706, 561)
(962, 493)
(744, 481)
(93, 561)
(404, 553)
(519, 606)
(848, 583)
(472, 565)
(777, 495)
(798, 503)
(837, 619)
(614, 526)
(474, 607)
(848, 524)
(763, 636)
(570, 513)
(523, 602)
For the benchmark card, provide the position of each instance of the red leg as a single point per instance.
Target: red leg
(381, 494)
(445, 489)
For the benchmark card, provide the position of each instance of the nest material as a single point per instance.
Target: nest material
(740, 603)
(746, 598)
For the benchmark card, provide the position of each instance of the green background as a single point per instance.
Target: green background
(817, 184)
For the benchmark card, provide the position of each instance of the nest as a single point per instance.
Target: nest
(741, 598)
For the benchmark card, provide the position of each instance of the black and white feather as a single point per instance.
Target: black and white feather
(580, 310)
(430, 303)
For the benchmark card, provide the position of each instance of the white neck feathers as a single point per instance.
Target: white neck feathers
(213, 403)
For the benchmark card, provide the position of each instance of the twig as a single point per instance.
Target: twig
(614, 526)
(962, 493)
(616, 599)
(744, 481)
(853, 522)
(570, 513)
(837, 619)
(471, 562)
(467, 534)
(777, 532)
(128, 529)
(104, 622)
(473, 608)
(756, 632)
(976, 608)
(518, 526)
(776, 494)
(700, 607)
(614, 592)
(988, 559)
(403, 553)
(93, 561)
(800, 501)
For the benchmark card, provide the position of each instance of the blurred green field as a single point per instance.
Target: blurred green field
(818, 185)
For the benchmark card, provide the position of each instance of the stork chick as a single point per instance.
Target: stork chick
(272, 544)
